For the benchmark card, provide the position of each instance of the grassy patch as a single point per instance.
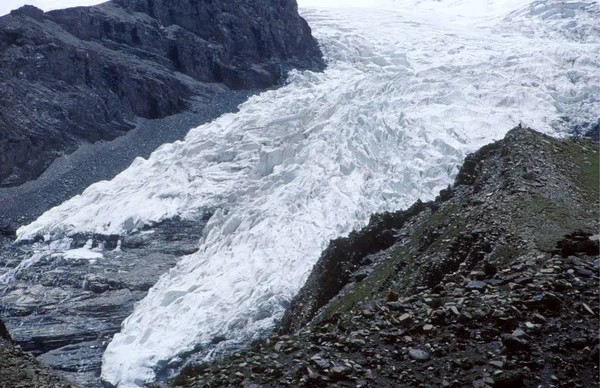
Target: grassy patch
(505, 254)
(586, 157)
(590, 173)
(373, 286)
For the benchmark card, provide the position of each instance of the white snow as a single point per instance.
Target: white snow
(412, 86)
(54, 249)
(46, 5)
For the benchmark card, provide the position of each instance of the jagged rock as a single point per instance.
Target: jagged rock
(131, 58)
(21, 369)
(4, 331)
(514, 343)
(331, 274)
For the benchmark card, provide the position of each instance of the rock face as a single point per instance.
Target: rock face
(83, 74)
(4, 331)
(65, 309)
(493, 284)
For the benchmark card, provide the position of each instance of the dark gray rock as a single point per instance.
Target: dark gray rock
(513, 343)
(83, 74)
(4, 331)
(418, 354)
(66, 311)
(476, 285)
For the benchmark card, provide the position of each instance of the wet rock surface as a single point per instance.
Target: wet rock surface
(64, 309)
(495, 284)
(84, 74)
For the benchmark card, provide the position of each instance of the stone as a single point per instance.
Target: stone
(405, 318)
(509, 380)
(519, 333)
(340, 370)
(477, 275)
(320, 362)
(588, 309)
(360, 276)
(512, 342)
(398, 306)
(495, 282)
(586, 273)
(312, 375)
(476, 285)
(418, 354)
(523, 280)
(464, 317)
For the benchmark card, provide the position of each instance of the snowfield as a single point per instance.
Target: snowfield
(412, 87)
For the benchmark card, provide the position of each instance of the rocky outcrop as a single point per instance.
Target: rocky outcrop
(83, 74)
(4, 331)
(493, 284)
(65, 309)
(515, 196)
(19, 369)
(534, 324)
(339, 263)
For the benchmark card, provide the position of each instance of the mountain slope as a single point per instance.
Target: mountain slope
(493, 284)
(83, 74)
(411, 88)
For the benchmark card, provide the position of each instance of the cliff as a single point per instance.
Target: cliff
(495, 283)
(84, 74)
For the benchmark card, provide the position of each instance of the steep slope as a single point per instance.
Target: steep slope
(83, 74)
(513, 197)
(410, 89)
(20, 369)
(495, 283)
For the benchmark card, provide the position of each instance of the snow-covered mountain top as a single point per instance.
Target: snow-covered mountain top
(412, 86)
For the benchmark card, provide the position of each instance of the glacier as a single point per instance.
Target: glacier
(411, 87)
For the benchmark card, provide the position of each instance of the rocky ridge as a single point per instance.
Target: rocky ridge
(494, 284)
(20, 369)
(84, 74)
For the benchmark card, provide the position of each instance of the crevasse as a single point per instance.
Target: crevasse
(411, 87)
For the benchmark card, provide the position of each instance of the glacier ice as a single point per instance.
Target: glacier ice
(411, 87)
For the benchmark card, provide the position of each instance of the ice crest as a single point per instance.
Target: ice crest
(411, 87)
